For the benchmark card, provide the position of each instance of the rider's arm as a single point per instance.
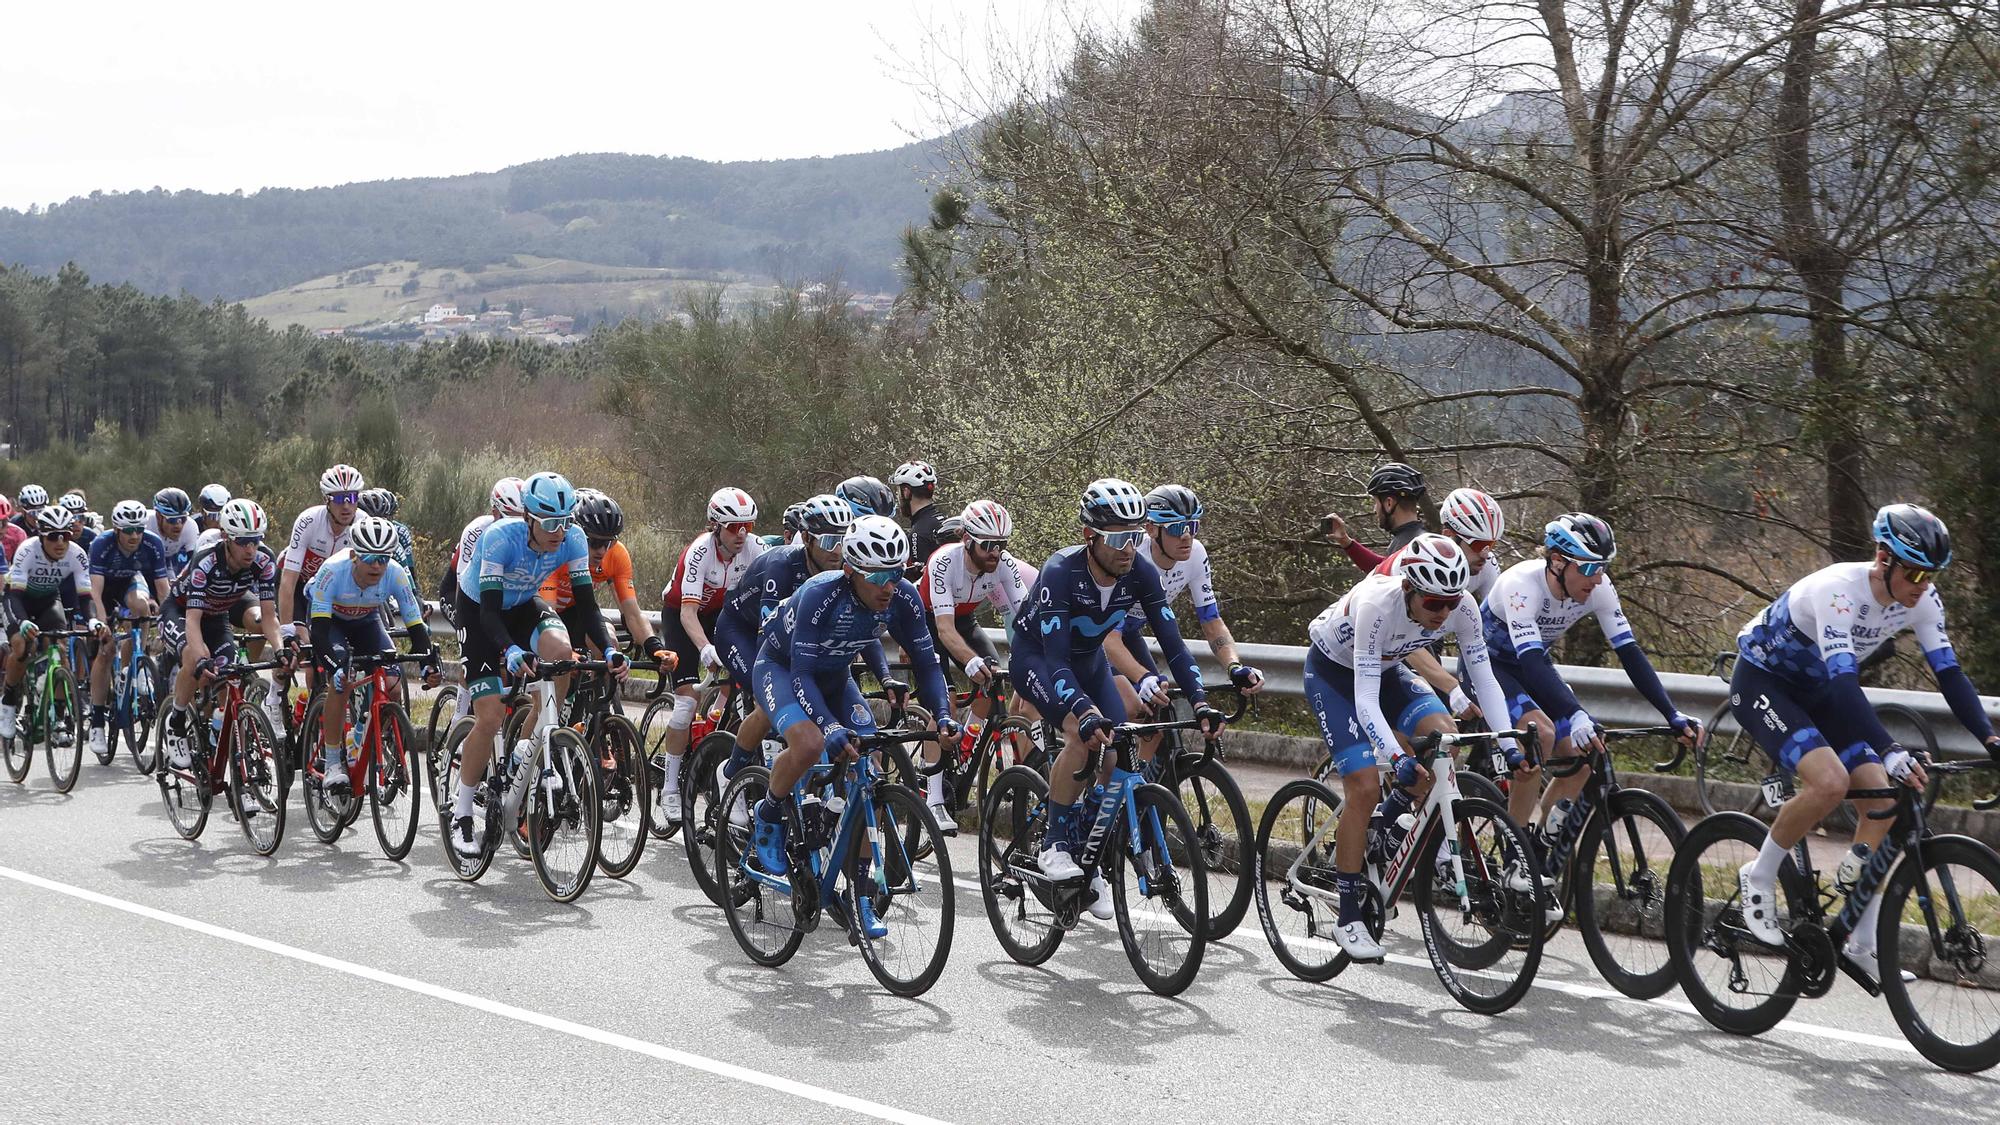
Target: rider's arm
(1513, 605)
(1928, 626)
(1426, 664)
(493, 618)
(1053, 625)
(877, 661)
(692, 569)
(954, 645)
(17, 584)
(293, 564)
(97, 596)
(1186, 672)
(1610, 614)
(585, 599)
(906, 624)
(1476, 664)
(1362, 556)
(1368, 686)
(1126, 648)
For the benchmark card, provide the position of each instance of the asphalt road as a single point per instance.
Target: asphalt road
(146, 977)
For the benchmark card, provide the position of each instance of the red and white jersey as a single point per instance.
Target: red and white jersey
(703, 576)
(951, 585)
(314, 540)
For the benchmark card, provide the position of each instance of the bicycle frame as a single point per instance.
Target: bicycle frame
(828, 862)
(125, 698)
(380, 695)
(1599, 792)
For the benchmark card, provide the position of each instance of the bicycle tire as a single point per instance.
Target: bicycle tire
(906, 882)
(1636, 896)
(1711, 763)
(701, 809)
(468, 869)
(188, 795)
(1510, 917)
(256, 787)
(395, 785)
(1311, 954)
(143, 736)
(1472, 783)
(574, 808)
(622, 839)
(1178, 879)
(1690, 928)
(653, 738)
(1010, 743)
(1223, 848)
(1965, 950)
(326, 815)
(1011, 824)
(437, 725)
(760, 917)
(62, 730)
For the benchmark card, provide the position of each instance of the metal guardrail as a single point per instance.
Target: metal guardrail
(1604, 692)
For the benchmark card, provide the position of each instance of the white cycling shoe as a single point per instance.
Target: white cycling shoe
(1057, 864)
(1870, 964)
(1759, 908)
(1100, 898)
(1354, 940)
(98, 740)
(739, 812)
(670, 804)
(8, 715)
(465, 834)
(947, 823)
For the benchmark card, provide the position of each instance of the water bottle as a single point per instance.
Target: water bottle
(1396, 822)
(1558, 814)
(1849, 872)
(772, 748)
(811, 819)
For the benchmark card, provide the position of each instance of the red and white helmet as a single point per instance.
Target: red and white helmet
(1474, 515)
(1434, 565)
(506, 497)
(244, 519)
(731, 505)
(986, 519)
(341, 478)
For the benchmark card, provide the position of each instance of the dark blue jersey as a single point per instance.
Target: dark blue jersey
(1067, 615)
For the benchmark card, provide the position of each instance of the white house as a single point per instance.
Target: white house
(439, 312)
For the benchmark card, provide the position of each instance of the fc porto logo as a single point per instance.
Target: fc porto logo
(860, 716)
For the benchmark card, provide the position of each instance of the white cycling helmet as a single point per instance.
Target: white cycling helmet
(341, 478)
(74, 503)
(242, 519)
(32, 496)
(128, 515)
(213, 497)
(372, 536)
(1110, 501)
(916, 474)
(731, 505)
(1473, 514)
(1434, 565)
(52, 519)
(876, 543)
(986, 519)
(506, 497)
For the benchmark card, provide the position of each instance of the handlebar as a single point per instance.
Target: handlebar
(1569, 764)
(1123, 734)
(1440, 739)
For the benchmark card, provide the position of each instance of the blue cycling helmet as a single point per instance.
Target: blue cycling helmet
(1913, 536)
(867, 496)
(547, 496)
(1172, 502)
(171, 503)
(1581, 536)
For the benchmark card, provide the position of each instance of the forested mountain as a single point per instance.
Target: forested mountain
(832, 216)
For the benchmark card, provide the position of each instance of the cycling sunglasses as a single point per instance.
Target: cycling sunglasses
(1179, 528)
(990, 546)
(55, 536)
(1122, 540)
(549, 523)
(1435, 605)
(1588, 569)
(165, 518)
(880, 577)
(830, 541)
(246, 540)
(744, 528)
(343, 497)
(375, 557)
(1917, 575)
(1479, 546)
(602, 544)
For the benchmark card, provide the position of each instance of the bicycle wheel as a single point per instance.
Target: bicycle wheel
(702, 809)
(563, 815)
(911, 896)
(255, 784)
(1726, 757)
(1011, 743)
(395, 784)
(1293, 874)
(1734, 981)
(653, 740)
(1485, 943)
(1947, 935)
(621, 796)
(186, 793)
(1159, 890)
(141, 708)
(1472, 783)
(467, 868)
(1021, 906)
(149, 745)
(62, 730)
(437, 728)
(1619, 889)
(1223, 836)
(326, 814)
(514, 730)
(760, 915)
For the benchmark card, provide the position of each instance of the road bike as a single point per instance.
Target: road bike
(134, 702)
(622, 787)
(235, 750)
(381, 756)
(1004, 740)
(1222, 829)
(51, 714)
(1477, 892)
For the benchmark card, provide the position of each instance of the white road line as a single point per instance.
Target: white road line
(1592, 992)
(702, 1063)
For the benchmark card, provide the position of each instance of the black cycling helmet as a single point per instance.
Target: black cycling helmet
(1913, 536)
(1172, 502)
(378, 502)
(1396, 479)
(599, 515)
(172, 503)
(950, 529)
(794, 519)
(1580, 536)
(867, 496)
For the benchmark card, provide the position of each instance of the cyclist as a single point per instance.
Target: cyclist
(27, 503)
(346, 598)
(208, 506)
(169, 520)
(1173, 519)
(128, 571)
(791, 527)
(505, 628)
(603, 521)
(81, 531)
(709, 568)
(382, 504)
(823, 521)
(803, 678)
(1530, 608)
(11, 533)
(915, 483)
(46, 587)
(1081, 594)
(318, 534)
(231, 582)
(1398, 491)
(504, 502)
(1364, 695)
(958, 579)
(867, 496)
(1795, 689)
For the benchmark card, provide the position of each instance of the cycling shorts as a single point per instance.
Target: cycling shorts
(1091, 671)
(1519, 702)
(485, 666)
(675, 637)
(1405, 698)
(786, 703)
(218, 630)
(363, 636)
(1789, 721)
(45, 611)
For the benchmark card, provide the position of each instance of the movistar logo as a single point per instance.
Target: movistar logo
(1097, 629)
(1050, 625)
(1063, 690)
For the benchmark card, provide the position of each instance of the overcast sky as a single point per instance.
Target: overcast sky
(225, 95)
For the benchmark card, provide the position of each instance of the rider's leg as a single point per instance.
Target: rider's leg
(1524, 789)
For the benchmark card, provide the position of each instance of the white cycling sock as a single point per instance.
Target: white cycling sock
(934, 791)
(461, 802)
(674, 770)
(1863, 937)
(1765, 870)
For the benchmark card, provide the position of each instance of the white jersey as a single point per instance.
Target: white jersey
(704, 576)
(1829, 622)
(468, 545)
(1521, 614)
(951, 586)
(1193, 575)
(1370, 627)
(34, 574)
(314, 540)
(176, 544)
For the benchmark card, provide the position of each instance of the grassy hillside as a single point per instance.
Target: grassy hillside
(833, 216)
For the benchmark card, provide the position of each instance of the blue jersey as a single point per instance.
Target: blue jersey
(770, 580)
(503, 561)
(335, 593)
(1067, 615)
(1829, 622)
(406, 549)
(820, 629)
(148, 560)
